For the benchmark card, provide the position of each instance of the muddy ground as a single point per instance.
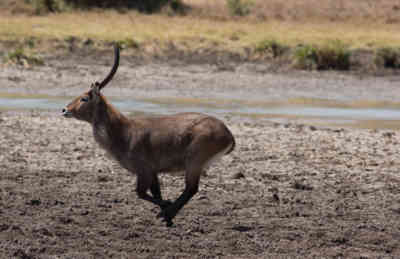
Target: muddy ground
(287, 191)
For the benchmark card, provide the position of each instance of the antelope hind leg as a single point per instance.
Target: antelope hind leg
(192, 186)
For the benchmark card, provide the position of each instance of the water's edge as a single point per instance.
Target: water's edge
(312, 111)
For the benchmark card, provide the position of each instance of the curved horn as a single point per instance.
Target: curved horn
(113, 69)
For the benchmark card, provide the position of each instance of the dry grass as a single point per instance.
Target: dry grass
(359, 24)
(110, 25)
(385, 11)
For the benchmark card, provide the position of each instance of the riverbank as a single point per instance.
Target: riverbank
(70, 73)
(253, 89)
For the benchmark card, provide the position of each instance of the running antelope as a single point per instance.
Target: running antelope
(147, 146)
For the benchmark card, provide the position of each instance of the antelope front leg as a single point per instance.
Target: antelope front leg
(156, 192)
(146, 181)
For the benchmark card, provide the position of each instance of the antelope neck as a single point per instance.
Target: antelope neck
(107, 123)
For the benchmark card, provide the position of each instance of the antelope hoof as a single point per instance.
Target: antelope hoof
(169, 224)
(165, 218)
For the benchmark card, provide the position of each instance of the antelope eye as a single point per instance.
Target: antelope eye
(85, 99)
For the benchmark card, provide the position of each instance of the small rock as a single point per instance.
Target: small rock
(302, 186)
(239, 175)
(242, 228)
(389, 134)
(34, 202)
(396, 208)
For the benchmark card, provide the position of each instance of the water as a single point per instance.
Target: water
(308, 112)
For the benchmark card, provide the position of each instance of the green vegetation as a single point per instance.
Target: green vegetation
(31, 42)
(20, 57)
(71, 42)
(147, 6)
(45, 6)
(306, 57)
(333, 55)
(388, 57)
(128, 43)
(238, 7)
(271, 47)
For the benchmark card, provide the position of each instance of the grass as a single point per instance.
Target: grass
(383, 11)
(334, 55)
(111, 25)
(238, 7)
(22, 57)
(300, 11)
(270, 28)
(271, 47)
(388, 57)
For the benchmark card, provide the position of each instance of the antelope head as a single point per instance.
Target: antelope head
(83, 106)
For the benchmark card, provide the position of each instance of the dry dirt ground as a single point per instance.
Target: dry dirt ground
(206, 76)
(287, 191)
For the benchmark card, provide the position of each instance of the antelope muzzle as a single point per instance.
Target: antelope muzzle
(66, 113)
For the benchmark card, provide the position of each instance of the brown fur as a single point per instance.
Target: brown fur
(147, 146)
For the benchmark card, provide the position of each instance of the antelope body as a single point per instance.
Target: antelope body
(147, 146)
